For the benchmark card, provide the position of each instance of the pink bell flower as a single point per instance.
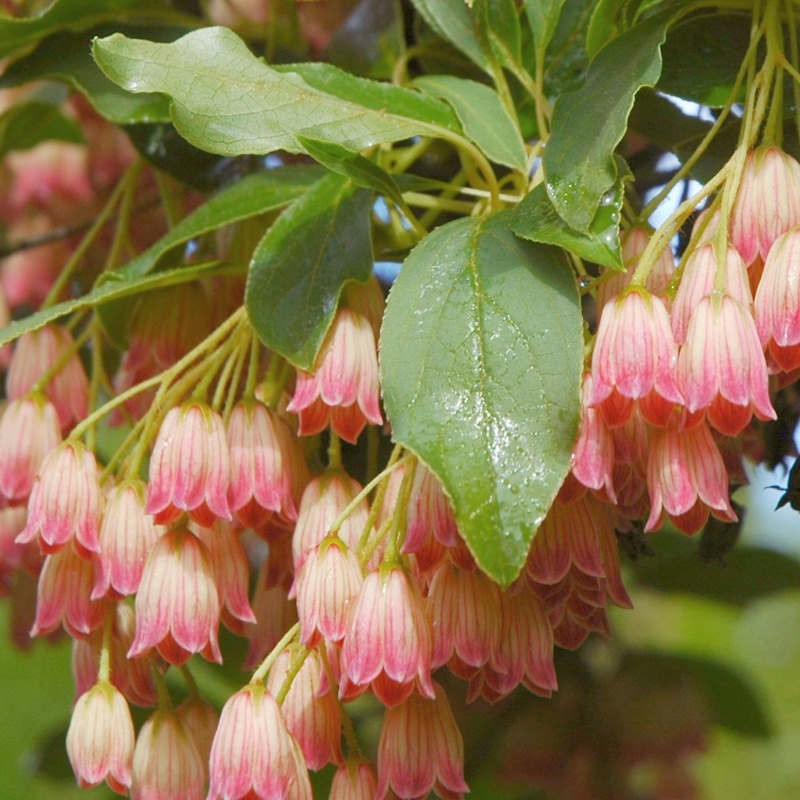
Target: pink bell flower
(66, 502)
(388, 639)
(253, 756)
(166, 763)
(721, 367)
(261, 466)
(421, 749)
(189, 467)
(767, 202)
(354, 780)
(127, 534)
(777, 303)
(634, 361)
(39, 352)
(29, 430)
(177, 605)
(687, 479)
(698, 280)
(100, 739)
(310, 707)
(343, 390)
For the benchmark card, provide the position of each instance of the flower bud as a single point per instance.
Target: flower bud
(100, 739)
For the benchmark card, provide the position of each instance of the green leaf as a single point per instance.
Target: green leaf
(536, 219)
(360, 170)
(543, 16)
(248, 197)
(481, 353)
(107, 292)
(226, 101)
(604, 25)
(371, 40)
(588, 123)
(451, 19)
(498, 26)
(23, 32)
(733, 700)
(299, 268)
(66, 57)
(25, 125)
(566, 61)
(702, 57)
(483, 117)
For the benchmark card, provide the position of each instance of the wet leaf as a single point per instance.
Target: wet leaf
(536, 219)
(588, 123)
(300, 267)
(481, 354)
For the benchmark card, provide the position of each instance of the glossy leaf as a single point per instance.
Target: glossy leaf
(483, 117)
(702, 56)
(299, 268)
(451, 19)
(109, 292)
(248, 197)
(536, 219)
(66, 57)
(25, 125)
(589, 123)
(543, 16)
(481, 353)
(370, 41)
(227, 101)
(359, 169)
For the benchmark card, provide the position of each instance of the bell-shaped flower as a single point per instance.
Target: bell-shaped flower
(388, 639)
(721, 367)
(310, 707)
(63, 595)
(100, 739)
(687, 479)
(325, 588)
(463, 607)
(166, 763)
(767, 202)
(634, 361)
(127, 534)
(65, 502)
(177, 605)
(698, 281)
(324, 499)
(261, 466)
(343, 390)
(634, 242)
(253, 756)
(777, 303)
(200, 721)
(189, 467)
(29, 430)
(50, 350)
(354, 780)
(421, 749)
(231, 570)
